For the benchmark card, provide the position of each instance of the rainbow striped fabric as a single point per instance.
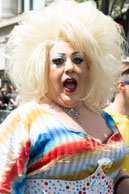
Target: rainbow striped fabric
(34, 144)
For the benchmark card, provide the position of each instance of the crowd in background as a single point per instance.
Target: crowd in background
(9, 97)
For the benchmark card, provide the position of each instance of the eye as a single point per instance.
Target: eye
(58, 61)
(77, 60)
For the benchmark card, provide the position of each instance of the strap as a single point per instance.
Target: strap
(109, 121)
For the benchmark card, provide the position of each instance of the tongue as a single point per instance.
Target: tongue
(70, 85)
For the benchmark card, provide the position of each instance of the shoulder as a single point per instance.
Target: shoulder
(30, 111)
(29, 107)
(107, 108)
(25, 114)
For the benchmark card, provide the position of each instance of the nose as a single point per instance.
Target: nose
(69, 66)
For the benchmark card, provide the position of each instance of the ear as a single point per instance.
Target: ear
(121, 85)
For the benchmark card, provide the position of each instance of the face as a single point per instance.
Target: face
(124, 86)
(68, 75)
(126, 82)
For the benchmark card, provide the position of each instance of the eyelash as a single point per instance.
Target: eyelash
(79, 60)
(60, 61)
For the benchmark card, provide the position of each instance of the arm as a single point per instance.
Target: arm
(13, 102)
(14, 154)
(123, 187)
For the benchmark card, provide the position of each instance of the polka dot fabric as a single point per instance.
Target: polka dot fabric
(97, 183)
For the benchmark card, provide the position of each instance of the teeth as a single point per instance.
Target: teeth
(69, 80)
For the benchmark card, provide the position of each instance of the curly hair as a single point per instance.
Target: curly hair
(98, 37)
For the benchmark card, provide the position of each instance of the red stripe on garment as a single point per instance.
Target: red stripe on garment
(117, 137)
(65, 150)
(16, 169)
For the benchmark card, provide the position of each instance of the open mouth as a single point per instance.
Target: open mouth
(70, 85)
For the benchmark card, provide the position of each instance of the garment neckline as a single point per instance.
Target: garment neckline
(84, 134)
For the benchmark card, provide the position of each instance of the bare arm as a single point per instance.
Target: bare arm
(123, 187)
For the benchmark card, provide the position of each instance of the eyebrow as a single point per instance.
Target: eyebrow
(58, 55)
(76, 54)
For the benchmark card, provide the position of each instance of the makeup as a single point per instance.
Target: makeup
(70, 85)
(59, 59)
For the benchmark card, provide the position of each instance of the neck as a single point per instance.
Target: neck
(120, 105)
(73, 112)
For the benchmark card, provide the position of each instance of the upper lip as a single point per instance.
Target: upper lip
(69, 79)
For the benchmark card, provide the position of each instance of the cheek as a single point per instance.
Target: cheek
(84, 79)
(85, 68)
(52, 73)
(54, 78)
(85, 74)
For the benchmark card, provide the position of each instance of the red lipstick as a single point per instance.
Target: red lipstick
(70, 85)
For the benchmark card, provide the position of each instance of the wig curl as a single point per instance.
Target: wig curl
(97, 36)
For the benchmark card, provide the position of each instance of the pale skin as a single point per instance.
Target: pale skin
(57, 74)
(90, 122)
(121, 102)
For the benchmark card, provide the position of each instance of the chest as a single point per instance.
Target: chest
(61, 152)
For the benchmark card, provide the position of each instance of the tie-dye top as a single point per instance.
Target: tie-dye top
(35, 145)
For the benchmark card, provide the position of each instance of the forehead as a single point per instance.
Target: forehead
(62, 47)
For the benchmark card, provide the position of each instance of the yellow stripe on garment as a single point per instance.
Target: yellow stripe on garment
(107, 169)
(32, 116)
(68, 177)
(76, 176)
(83, 174)
(9, 128)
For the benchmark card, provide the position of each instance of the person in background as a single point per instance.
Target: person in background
(5, 88)
(18, 100)
(3, 105)
(12, 94)
(119, 108)
(4, 93)
(59, 141)
(3, 100)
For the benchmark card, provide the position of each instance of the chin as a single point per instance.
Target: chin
(69, 100)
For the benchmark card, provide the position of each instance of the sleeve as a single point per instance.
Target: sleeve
(14, 154)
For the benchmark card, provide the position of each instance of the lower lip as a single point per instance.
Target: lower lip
(70, 89)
